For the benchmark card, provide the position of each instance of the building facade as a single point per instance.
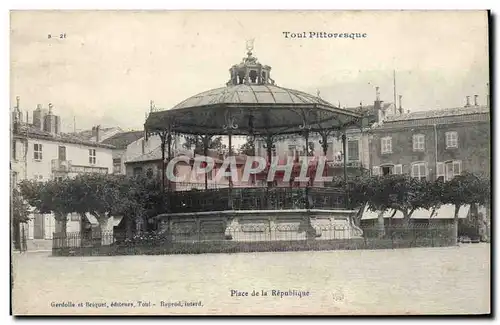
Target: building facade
(41, 152)
(433, 144)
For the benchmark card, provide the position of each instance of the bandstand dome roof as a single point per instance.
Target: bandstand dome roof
(250, 104)
(250, 94)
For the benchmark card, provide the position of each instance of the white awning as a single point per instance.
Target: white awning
(446, 211)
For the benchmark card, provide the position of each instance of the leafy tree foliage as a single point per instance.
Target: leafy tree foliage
(53, 196)
(247, 148)
(196, 142)
(20, 209)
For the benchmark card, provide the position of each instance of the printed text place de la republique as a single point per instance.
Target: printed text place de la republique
(323, 35)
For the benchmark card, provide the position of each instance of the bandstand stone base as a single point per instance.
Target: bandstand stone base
(261, 225)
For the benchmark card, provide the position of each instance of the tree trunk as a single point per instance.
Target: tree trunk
(62, 221)
(103, 222)
(16, 235)
(483, 225)
(455, 225)
(128, 227)
(406, 219)
(380, 224)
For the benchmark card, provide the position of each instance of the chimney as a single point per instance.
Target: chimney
(39, 117)
(475, 100)
(17, 116)
(98, 133)
(467, 101)
(51, 122)
(378, 105)
(400, 104)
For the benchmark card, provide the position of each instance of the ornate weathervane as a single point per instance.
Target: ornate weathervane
(250, 45)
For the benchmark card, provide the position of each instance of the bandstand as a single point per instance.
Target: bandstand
(253, 105)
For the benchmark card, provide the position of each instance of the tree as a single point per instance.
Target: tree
(465, 189)
(247, 148)
(19, 214)
(96, 194)
(394, 192)
(53, 196)
(196, 142)
(140, 198)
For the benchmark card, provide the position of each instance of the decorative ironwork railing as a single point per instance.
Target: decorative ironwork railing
(251, 239)
(256, 198)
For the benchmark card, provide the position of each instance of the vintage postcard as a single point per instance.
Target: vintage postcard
(250, 162)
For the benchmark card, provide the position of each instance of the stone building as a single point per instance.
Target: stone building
(433, 144)
(41, 151)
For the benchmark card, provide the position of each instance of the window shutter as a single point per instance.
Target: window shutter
(375, 171)
(423, 170)
(398, 169)
(457, 167)
(414, 170)
(440, 170)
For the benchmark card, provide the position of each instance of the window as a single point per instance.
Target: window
(387, 170)
(452, 169)
(398, 169)
(353, 150)
(386, 145)
(14, 156)
(375, 171)
(149, 173)
(62, 153)
(418, 142)
(451, 139)
(59, 178)
(92, 156)
(75, 217)
(419, 170)
(291, 150)
(37, 151)
(440, 173)
(117, 165)
(137, 171)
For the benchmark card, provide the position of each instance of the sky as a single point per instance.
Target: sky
(110, 64)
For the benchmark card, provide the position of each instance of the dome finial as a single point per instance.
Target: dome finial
(249, 46)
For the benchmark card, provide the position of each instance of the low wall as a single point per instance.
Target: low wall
(261, 225)
(255, 231)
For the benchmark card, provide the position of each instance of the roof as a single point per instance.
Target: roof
(87, 134)
(368, 109)
(31, 131)
(155, 155)
(250, 94)
(252, 109)
(123, 139)
(457, 111)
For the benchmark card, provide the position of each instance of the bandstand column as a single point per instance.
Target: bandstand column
(229, 127)
(206, 141)
(269, 149)
(163, 137)
(344, 146)
(305, 132)
(169, 155)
